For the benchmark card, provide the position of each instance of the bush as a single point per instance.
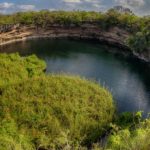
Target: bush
(57, 111)
(11, 139)
(141, 40)
(109, 19)
(127, 139)
(137, 27)
(14, 68)
(40, 111)
(133, 133)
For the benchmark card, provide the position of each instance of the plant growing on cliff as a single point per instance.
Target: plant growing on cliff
(140, 41)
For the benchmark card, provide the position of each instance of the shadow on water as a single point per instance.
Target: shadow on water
(127, 78)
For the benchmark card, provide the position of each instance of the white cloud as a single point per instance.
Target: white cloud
(72, 1)
(6, 5)
(83, 5)
(87, 1)
(130, 3)
(98, 6)
(26, 7)
(137, 6)
(52, 9)
(11, 7)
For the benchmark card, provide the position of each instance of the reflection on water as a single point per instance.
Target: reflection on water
(128, 79)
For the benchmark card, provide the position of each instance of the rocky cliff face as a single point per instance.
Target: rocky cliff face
(145, 55)
(86, 31)
(114, 36)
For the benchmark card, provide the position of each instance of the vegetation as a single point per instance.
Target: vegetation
(43, 112)
(44, 18)
(137, 26)
(14, 68)
(130, 133)
(49, 111)
(140, 41)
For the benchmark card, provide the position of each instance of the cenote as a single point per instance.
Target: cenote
(127, 78)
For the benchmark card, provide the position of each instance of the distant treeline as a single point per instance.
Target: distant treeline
(138, 26)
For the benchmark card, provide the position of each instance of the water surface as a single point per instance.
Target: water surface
(127, 79)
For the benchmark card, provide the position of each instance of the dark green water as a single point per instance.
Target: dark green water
(127, 79)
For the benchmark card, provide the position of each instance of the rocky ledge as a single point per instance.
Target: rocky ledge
(113, 36)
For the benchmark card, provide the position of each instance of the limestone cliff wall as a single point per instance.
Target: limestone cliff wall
(114, 36)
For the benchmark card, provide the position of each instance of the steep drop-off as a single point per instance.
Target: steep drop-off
(114, 36)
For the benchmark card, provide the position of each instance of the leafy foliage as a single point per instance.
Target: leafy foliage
(43, 18)
(14, 68)
(11, 138)
(130, 133)
(40, 111)
(138, 27)
(141, 40)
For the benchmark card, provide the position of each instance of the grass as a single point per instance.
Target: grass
(43, 112)
(14, 68)
(132, 133)
(49, 111)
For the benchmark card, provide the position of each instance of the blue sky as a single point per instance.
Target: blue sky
(140, 7)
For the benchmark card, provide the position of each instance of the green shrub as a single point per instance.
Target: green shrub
(137, 27)
(11, 138)
(57, 111)
(111, 18)
(14, 68)
(40, 111)
(132, 133)
(126, 139)
(141, 40)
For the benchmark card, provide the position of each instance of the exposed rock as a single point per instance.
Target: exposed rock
(145, 55)
(113, 36)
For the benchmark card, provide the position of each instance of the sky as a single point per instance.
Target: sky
(139, 7)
